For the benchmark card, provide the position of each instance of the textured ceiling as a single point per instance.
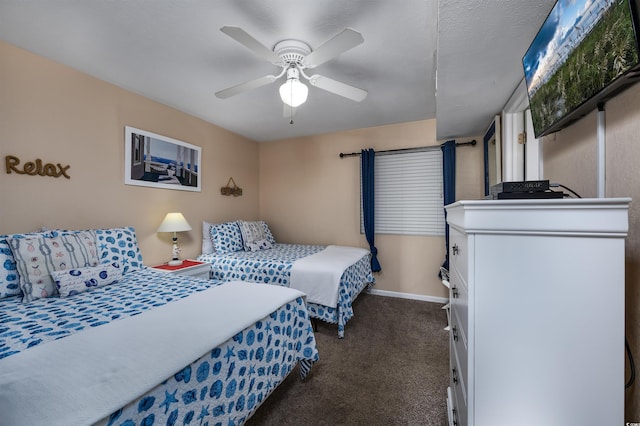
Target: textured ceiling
(173, 52)
(480, 48)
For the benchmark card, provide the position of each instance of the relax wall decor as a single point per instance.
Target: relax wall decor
(37, 167)
(161, 162)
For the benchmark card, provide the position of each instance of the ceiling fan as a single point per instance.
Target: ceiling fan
(294, 57)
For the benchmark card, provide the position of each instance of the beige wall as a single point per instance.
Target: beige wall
(308, 194)
(570, 159)
(51, 112)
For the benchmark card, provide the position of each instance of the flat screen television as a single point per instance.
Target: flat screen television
(585, 52)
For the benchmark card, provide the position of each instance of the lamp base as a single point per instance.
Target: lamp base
(175, 262)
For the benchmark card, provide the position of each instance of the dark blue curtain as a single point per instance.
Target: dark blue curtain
(367, 158)
(449, 184)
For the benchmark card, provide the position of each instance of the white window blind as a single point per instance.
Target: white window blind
(409, 193)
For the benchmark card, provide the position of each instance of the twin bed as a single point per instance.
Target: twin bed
(331, 276)
(149, 348)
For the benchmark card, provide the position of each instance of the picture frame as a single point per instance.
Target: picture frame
(158, 161)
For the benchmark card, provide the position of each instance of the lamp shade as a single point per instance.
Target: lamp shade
(174, 222)
(293, 93)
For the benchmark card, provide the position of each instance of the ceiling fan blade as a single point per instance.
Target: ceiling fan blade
(340, 43)
(338, 88)
(242, 37)
(243, 87)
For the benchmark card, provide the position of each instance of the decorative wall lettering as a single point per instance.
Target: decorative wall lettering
(37, 167)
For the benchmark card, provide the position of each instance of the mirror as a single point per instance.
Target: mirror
(492, 156)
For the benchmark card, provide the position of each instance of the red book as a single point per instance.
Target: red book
(185, 264)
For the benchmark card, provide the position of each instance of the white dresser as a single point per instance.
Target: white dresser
(537, 312)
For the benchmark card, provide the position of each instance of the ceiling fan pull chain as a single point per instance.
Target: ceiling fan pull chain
(291, 109)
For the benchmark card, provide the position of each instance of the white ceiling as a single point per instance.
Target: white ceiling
(172, 51)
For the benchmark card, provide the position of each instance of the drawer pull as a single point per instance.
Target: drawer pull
(454, 292)
(454, 333)
(456, 249)
(454, 413)
(454, 376)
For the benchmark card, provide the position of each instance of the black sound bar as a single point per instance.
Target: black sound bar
(528, 195)
(521, 186)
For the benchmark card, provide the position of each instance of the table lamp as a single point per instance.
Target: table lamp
(174, 222)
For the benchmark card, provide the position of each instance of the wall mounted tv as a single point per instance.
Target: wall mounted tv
(585, 52)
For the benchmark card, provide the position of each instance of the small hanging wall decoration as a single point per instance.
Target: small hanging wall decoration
(33, 168)
(234, 190)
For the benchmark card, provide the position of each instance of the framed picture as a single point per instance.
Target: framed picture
(161, 162)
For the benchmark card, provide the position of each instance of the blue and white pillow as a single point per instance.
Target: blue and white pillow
(38, 257)
(251, 233)
(119, 245)
(77, 280)
(267, 232)
(9, 278)
(227, 237)
(258, 245)
(255, 235)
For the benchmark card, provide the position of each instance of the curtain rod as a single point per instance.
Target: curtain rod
(419, 148)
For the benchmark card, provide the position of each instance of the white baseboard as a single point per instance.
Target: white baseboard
(411, 296)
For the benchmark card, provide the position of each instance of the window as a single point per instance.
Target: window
(409, 194)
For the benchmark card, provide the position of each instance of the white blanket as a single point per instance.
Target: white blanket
(318, 275)
(83, 378)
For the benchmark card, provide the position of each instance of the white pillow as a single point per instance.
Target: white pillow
(78, 280)
(207, 243)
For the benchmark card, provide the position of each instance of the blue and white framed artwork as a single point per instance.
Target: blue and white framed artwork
(161, 162)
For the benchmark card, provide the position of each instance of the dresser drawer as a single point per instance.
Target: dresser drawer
(459, 411)
(458, 394)
(460, 351)
(459, 301)
(458, 379)
(458, 254)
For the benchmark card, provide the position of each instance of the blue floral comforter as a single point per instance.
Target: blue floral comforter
(224, 386)
(273, 266)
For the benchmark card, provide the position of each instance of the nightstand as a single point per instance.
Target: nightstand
(191, 268)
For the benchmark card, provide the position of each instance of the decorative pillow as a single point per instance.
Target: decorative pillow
(207, 243)
(119, 245)
(37, 257)
(252, 232)
(267, 232)
(227, 237)
(258, 245)
(77, 280)
(9, 278)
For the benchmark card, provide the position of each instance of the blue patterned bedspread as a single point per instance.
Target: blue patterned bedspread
(25, 325)
(223, 387)
(273, 266)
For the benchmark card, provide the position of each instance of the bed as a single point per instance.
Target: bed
(332, 277)
(151, 348)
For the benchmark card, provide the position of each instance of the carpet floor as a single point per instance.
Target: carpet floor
(392, 368)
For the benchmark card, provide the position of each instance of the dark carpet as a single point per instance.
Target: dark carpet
(392, 368)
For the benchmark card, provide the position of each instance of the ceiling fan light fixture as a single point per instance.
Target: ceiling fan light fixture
(292, 92)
